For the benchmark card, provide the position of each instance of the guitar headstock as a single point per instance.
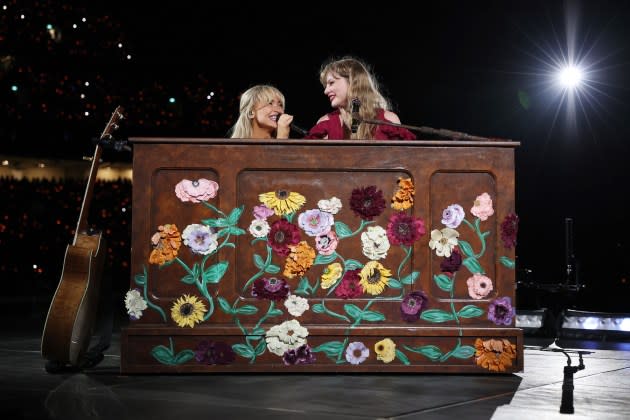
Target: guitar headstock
(107, 138)
(113, 124)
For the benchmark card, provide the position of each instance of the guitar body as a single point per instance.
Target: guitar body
(72, 312)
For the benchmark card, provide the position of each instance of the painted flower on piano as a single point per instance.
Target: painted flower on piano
(259, 228)
(443, 241)
(262, 212)
(357, 353)
(214, 353)
(327, 243)
(300, 259)
(375, 243)
(367, 202)
(187, 311)
(482, 207)
(412, 305)
(509, 230)
(282, 202)
(479, 286)
(332, 205)
(196, 191)
(271, 288)
(494, 354)
(501, 311)
(403, 197)
(331, 274)
(296, 305)
(200, 239)
(166, 241)
(316, 222)
(385, 350)
(135, 304)
(289, 335)
(282, 236)
(374, 277)
(404, 229)
(300, 356)
(452, 263)
(453, 215)
(350, 286)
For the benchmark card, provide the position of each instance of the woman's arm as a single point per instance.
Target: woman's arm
(392, 117)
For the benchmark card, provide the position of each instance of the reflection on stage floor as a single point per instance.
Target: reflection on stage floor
(598, 389)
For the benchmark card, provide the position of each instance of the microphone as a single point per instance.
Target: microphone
(356, 120)
(296, 128)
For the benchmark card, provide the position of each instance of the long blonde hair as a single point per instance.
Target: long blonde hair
(361, 85)
(259, 94)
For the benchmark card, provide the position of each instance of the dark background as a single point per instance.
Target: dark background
(483, 67)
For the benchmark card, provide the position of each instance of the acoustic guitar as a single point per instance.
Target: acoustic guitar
(72, 313)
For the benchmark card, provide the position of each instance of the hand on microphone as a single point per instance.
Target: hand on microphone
(284, 126)
(285, 122)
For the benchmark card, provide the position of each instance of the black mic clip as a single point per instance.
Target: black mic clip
(110, 142)
(356, 119)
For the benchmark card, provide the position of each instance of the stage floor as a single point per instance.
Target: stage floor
(28, 392)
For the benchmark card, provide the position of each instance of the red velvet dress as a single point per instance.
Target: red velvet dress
(334, 130)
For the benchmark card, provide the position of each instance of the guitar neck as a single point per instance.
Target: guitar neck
(89, 190)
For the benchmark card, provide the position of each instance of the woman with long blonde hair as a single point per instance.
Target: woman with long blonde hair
(353, 92)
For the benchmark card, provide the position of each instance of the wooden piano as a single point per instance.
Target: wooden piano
(322, 256)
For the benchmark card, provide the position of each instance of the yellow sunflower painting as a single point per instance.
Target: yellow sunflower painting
(282, 202)
(374, 278)
(187, 311)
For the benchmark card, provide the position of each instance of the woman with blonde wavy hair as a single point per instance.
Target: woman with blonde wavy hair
(353, 89)
(261, 115)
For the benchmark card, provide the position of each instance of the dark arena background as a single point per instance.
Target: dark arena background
(489, 68)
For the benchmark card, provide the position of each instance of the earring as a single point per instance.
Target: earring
(250, 114)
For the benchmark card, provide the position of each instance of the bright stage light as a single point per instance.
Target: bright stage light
(570, 77)
(582, 322)
(569, 73)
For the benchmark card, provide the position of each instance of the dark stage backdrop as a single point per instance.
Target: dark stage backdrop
(484, 68)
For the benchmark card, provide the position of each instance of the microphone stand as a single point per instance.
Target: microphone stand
(455, 135)
(566, 403)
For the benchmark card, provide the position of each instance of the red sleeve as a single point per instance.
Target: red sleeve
(319, 131)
